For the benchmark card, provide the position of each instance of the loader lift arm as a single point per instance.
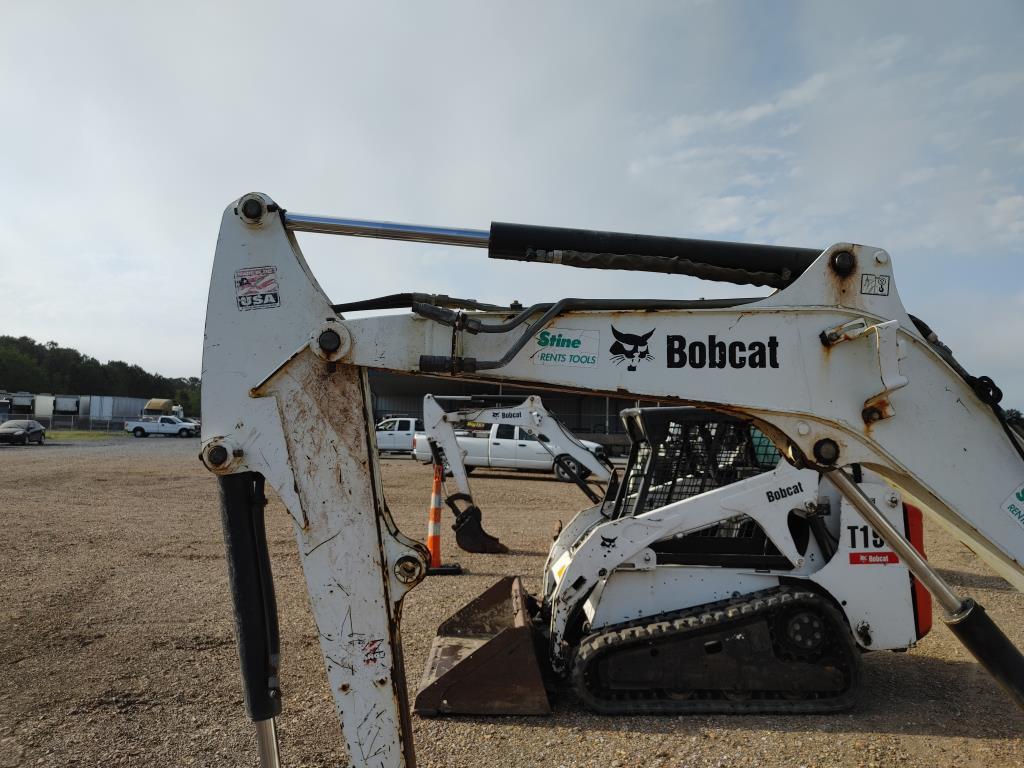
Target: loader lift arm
(830, 367)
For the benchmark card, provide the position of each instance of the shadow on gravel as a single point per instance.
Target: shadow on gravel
(910, 695)
(975, 580)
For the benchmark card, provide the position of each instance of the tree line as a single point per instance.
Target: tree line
(28, 366)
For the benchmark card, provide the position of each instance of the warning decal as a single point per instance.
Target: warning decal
(873, 558)
(256, 288)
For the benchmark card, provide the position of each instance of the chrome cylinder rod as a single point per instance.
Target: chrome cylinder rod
(387, 230)
(952, 603)
(266, 742)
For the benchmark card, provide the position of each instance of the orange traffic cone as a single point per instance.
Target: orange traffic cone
(434, 530)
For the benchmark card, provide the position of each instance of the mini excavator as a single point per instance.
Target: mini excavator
(571, 460)
(765, 533)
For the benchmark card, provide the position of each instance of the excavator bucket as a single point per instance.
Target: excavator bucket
(469, 530)
(484, 659)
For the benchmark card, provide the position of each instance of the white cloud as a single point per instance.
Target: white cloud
(1007, 216)
(994, 85)
(846, 125)
(686, 125)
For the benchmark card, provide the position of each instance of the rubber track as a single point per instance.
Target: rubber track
(713, 616)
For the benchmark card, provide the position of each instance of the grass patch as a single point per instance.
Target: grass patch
(82, 434)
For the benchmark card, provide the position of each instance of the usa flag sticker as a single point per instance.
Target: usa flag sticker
(256, 288)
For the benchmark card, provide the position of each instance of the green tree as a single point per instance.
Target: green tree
(19, 371)
(27, 365)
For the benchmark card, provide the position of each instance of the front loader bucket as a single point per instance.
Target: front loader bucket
(484, 660)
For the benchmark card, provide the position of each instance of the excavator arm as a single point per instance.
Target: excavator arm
(567, 452)
(831, 367)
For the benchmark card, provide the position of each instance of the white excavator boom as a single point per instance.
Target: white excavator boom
(831, 367)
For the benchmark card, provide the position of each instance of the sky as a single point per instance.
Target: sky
(127, 128)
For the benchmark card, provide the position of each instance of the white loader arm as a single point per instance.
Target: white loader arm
(830, 367)
(530, 414)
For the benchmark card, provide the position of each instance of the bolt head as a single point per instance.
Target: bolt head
(408, 570)
(826, 451)
(252, 209)
(218, 455)
(871, 415)
(329, 341)
(843, 262)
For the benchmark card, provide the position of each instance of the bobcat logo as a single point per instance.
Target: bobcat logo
(630, 348)
(608, 543)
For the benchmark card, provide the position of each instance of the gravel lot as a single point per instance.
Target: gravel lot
(117, 647)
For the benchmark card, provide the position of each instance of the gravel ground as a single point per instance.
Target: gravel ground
(118, 648)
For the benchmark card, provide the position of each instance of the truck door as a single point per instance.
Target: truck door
(166, 425)
(502, 446)
(386, 435)
(403, 435)
(530, 454)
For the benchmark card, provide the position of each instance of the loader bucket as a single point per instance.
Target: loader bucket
(484, 659)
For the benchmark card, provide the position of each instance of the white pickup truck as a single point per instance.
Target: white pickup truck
(395, 434)
(504, 446)
(169, 426)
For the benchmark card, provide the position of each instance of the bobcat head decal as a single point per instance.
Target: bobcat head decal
(630, 348)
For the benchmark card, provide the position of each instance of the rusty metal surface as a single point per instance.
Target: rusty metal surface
(484, 661)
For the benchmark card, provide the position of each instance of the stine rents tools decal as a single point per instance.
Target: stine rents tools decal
(256, 288)
(566, 346)
(1014, 505)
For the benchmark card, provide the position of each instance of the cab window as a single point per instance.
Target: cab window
(386, 426)
(525, 436)
(505, 432)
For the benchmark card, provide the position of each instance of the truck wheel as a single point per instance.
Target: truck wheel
(139, 432)
(566, 462)
(183, 433)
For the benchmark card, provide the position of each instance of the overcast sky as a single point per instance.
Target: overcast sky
(126, 132)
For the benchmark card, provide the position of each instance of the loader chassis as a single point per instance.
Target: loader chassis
(830, 367)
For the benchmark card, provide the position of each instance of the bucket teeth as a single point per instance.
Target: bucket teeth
(484, 659)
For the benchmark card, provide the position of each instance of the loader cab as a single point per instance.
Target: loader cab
(677, 453)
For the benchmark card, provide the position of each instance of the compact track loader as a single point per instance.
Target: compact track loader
(714, 580)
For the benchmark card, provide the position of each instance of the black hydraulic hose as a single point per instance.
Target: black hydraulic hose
(443, 363)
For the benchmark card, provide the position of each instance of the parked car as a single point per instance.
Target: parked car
(169, 426)
(503, 446)
(395, 434)
(22, 432)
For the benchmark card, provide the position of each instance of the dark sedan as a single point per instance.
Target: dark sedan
(22, 432)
